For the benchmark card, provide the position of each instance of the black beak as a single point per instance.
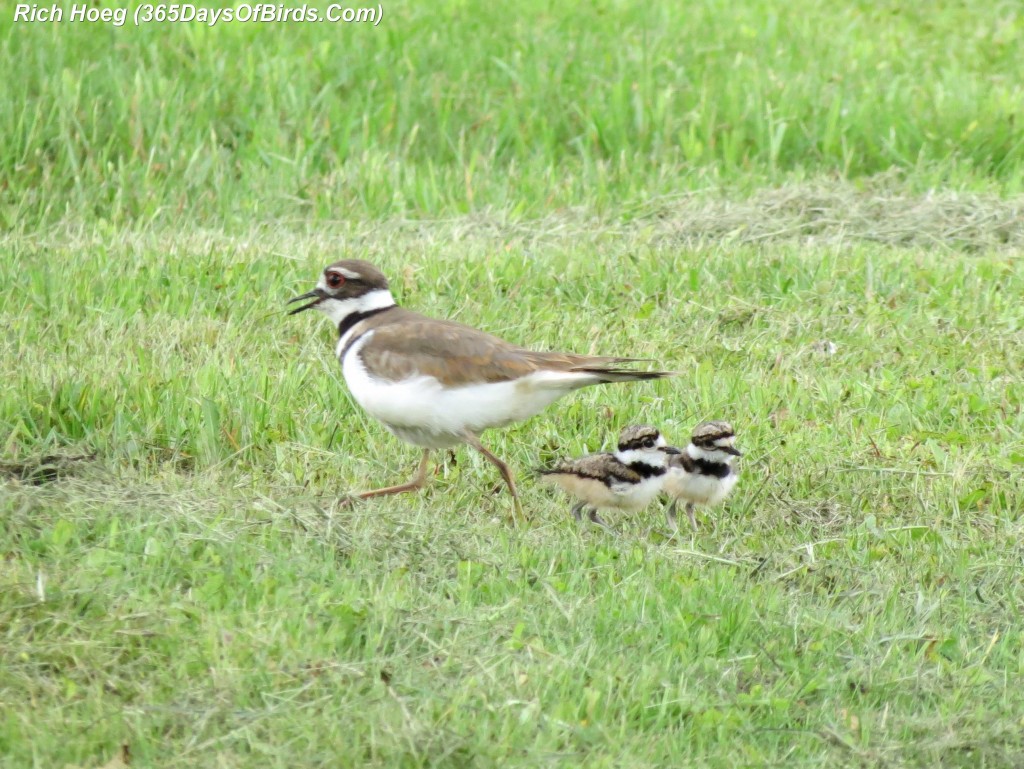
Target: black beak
(730, 450)
(316, 292)
(671, 450)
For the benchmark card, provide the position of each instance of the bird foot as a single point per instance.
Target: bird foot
(346, 500)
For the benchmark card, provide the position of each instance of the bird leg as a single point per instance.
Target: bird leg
(671, 515)
(510, 481)
(577, 511)
(693, 518)
(417, 482)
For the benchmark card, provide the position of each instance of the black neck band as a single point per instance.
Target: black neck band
(645, 470)
(351, 319)
(714, 469)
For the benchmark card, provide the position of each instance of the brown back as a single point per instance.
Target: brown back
(406, 343)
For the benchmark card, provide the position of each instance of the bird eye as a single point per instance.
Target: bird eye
(649, 443)
(335, 279)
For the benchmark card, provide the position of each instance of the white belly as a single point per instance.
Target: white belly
(640, 495)
(697, 488)
(623, 496)
(421, 411)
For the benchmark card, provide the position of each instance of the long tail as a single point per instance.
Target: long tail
(605, 375)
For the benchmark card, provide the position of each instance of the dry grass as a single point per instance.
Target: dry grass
(825, 212)
(829, 213)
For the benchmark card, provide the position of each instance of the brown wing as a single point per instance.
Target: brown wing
(456, 354)
(601, 467)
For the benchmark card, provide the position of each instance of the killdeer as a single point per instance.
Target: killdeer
(435, 383)
(627, 479)
(703, 473)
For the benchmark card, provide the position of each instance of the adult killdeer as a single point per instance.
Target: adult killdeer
(627, 479)
(703, 473)
(435, 383)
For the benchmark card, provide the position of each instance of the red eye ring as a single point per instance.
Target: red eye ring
(335, 279)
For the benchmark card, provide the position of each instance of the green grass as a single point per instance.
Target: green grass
(717, 186)
(856, 600)
(450, 107)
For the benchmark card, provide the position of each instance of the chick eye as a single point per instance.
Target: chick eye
(649, 443)
(335, 279)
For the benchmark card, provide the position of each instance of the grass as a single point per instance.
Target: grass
(192, 592)
(520, 108)
(718, 187)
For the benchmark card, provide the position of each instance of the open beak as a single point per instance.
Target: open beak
(671, 450)
(731, 450)
(316, 295)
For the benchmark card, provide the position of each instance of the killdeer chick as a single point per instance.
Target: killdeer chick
(627, 479)
(435, 383)
(703, 473)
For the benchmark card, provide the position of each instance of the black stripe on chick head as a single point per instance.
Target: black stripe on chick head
(638, 437)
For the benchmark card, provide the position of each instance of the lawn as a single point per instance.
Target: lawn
(719, 187)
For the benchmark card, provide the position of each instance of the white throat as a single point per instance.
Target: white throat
(718, 457)
(649, 457)
(339, 309)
